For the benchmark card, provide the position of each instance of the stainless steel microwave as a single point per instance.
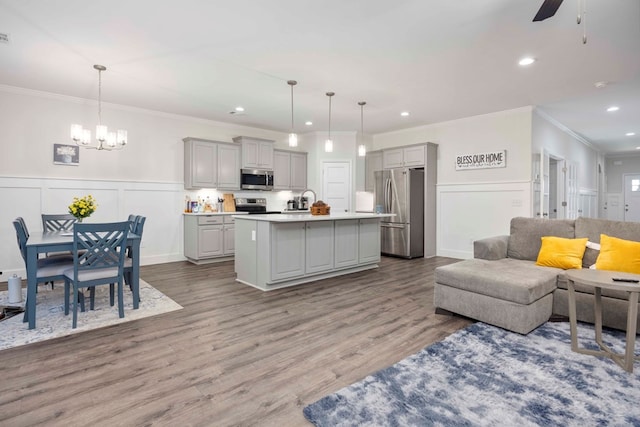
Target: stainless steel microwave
(256, 179)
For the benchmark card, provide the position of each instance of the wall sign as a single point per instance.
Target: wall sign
(66, 155)
(490, 159)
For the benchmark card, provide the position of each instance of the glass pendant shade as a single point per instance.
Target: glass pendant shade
(328, 146)
(76, 132)
(122, 137)
(293, 140)
(362, 150)
(101, 133)
(86, 137)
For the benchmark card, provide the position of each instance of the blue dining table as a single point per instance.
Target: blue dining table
(42, 242)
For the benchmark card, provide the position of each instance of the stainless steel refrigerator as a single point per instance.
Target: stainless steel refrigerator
(401, 192)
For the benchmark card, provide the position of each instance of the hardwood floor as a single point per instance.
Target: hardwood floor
(233, 356)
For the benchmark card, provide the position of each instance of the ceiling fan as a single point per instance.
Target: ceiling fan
(550, 7)
(547, 10)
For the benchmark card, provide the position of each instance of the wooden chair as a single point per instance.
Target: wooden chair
(98, 259)
(48, 269)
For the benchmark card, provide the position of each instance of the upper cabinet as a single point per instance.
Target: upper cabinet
(289, 170)
(211, 164)
(411, 156)
(257, 153)
(372, 163)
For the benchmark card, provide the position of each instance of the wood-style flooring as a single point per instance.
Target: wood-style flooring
(233, 356)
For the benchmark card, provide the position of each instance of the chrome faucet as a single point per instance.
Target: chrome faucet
(315, 198)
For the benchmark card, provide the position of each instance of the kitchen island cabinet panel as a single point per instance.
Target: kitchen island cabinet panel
(369, 241)
(319, 246)
(287, 250)
(346, 243)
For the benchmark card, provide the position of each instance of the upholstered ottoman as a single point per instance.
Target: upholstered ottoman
(510, 293)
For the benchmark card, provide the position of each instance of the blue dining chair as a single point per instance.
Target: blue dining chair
(98, 259)
(48, 269)
(136, 226)
(58, 222)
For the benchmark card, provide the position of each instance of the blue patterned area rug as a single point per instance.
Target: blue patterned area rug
(486, 376)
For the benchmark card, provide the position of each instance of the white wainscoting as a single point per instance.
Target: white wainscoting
(161, 203)
(468, 212)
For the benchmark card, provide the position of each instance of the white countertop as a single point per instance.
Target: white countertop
(213, 213)
(308, 217)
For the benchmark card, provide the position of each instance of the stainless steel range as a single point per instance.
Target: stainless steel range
(253, 206)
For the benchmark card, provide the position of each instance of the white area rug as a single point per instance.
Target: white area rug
(52, 323)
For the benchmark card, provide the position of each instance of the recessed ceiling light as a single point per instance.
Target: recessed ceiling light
(526, 61)
(601, 84)
(404, 113)
(630, 133)
(613, 108)
(308, 123)
(239, 109)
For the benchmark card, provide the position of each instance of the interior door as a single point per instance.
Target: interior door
(336, 185)
(632, 197)
(572, 190)
(540, 184)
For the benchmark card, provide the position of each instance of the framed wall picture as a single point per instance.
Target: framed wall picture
(66, 155)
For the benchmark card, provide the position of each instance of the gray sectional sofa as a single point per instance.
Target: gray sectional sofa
(503, 286)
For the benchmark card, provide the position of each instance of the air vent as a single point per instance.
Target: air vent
(4, 38)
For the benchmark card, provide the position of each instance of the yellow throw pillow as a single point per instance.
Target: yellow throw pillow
(618, 255)
(561, 253)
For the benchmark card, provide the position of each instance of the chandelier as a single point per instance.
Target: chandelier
(105, 140)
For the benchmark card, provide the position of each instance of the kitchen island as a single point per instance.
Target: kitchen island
(276, 251)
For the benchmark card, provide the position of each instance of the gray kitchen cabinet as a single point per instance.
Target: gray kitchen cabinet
(410, 156)
(372, 163)
(211, 164)
(346, 243)
(208, 237)
(228, 235)
(287, 250)
(289, 170)
(228, 166)
(281, 170)
(200, 164)
(298, 171)
(319, 246)
(369, 242)
(257, 153)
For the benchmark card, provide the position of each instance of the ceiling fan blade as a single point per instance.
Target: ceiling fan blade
(547, 10)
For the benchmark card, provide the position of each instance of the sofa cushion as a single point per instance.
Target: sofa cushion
(592, 229)
(618, 255)
(526, 234)
(561, 253)
(508, 279)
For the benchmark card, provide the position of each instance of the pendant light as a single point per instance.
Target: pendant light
(105, 140)
(293, 138)
(362, 149)
(328, 144)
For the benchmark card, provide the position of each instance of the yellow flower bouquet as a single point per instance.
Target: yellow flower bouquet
(83, 207)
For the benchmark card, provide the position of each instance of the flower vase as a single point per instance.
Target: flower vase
(80, 219)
